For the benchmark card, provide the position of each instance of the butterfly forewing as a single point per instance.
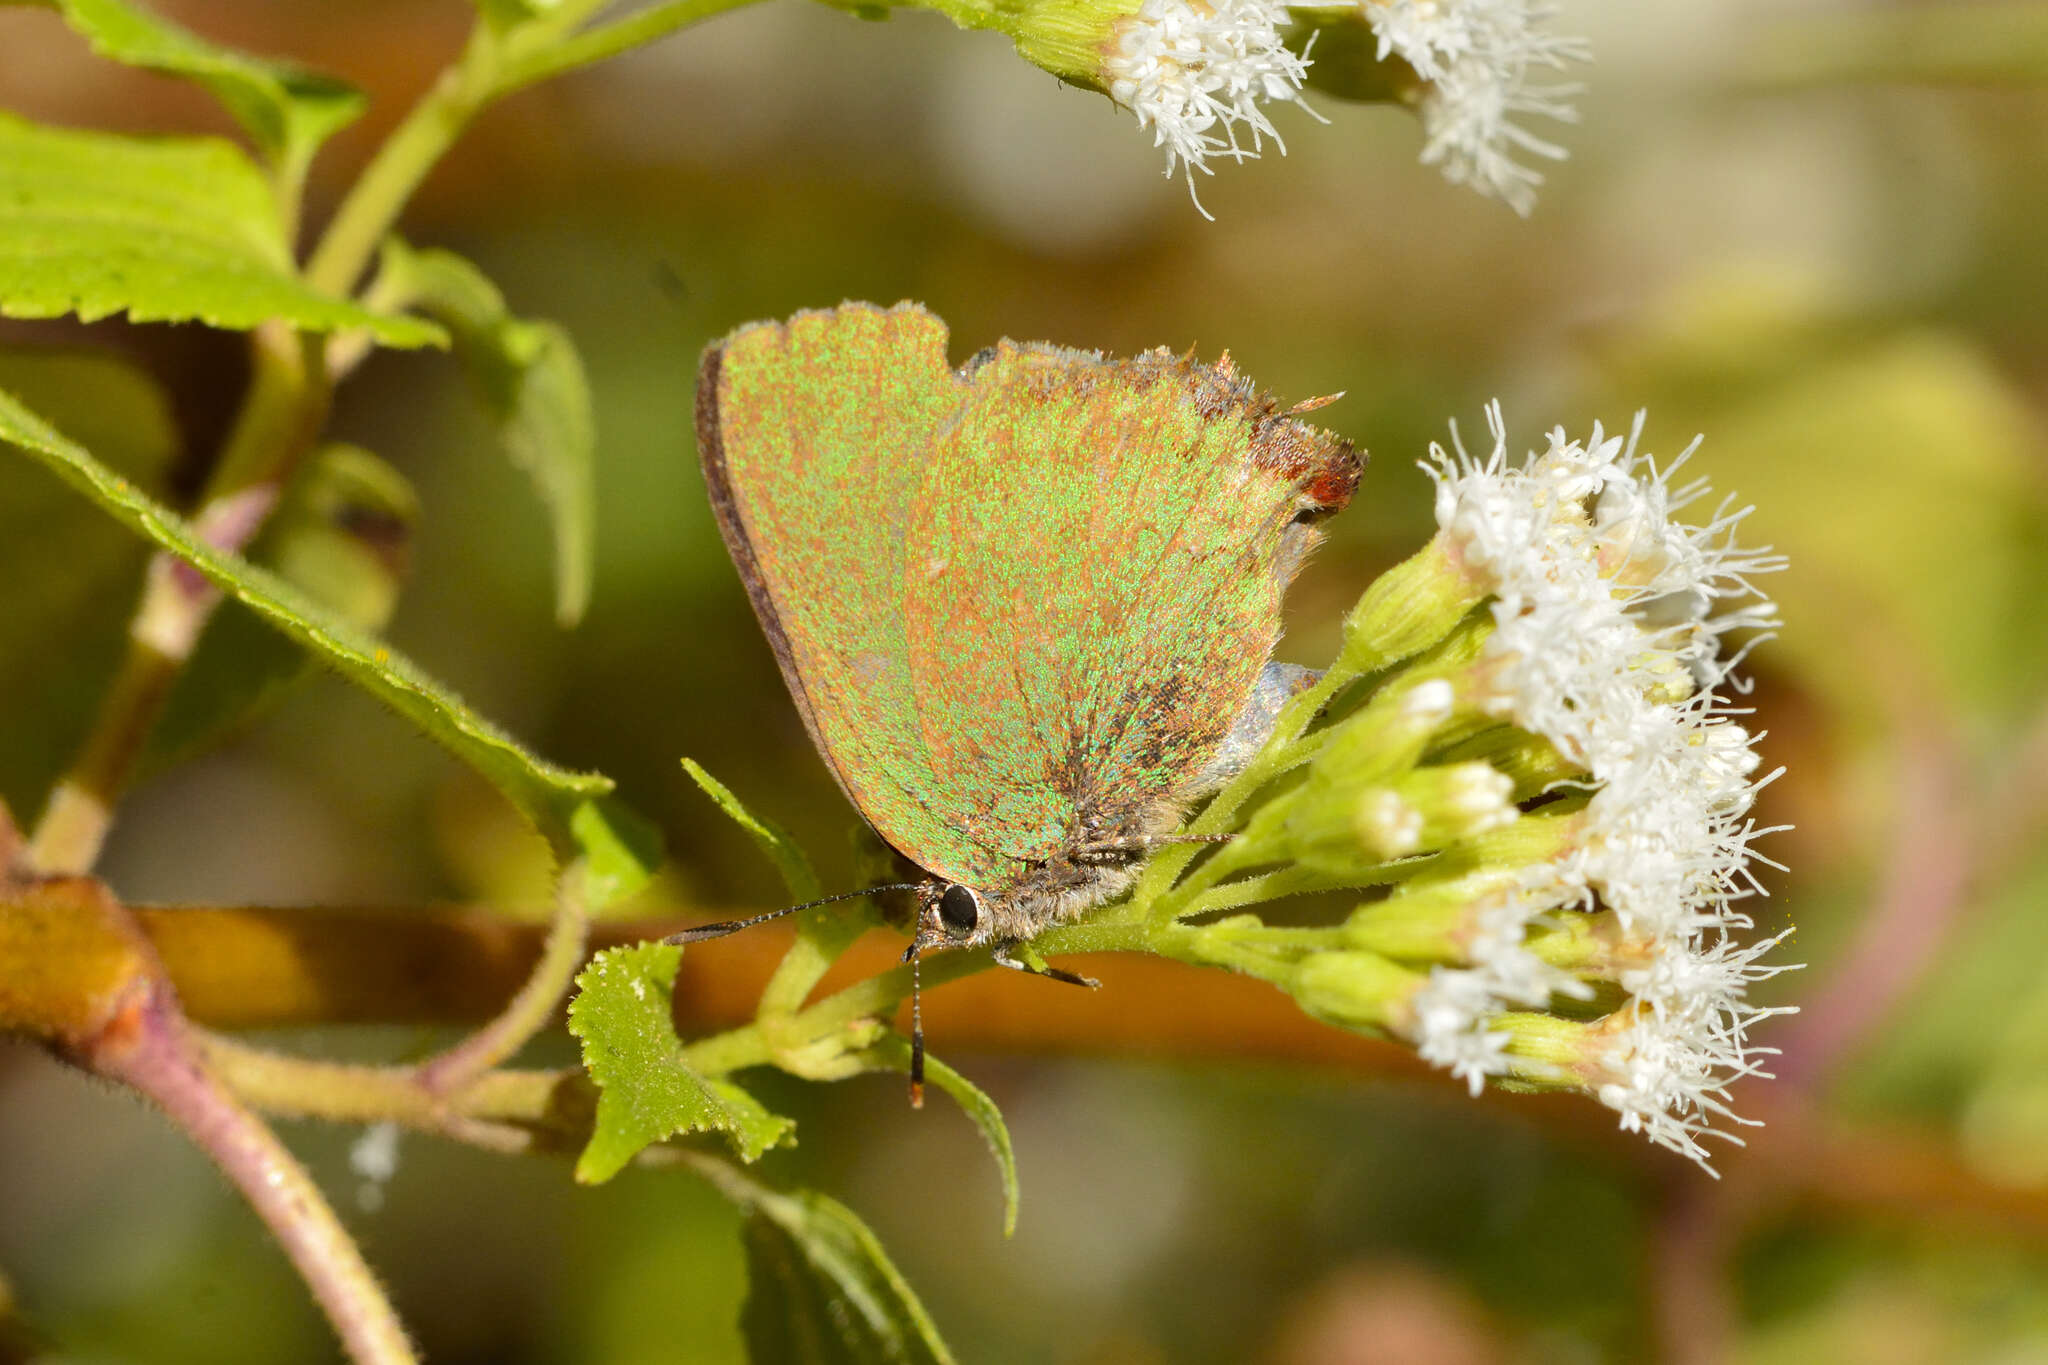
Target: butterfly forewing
(812, 435)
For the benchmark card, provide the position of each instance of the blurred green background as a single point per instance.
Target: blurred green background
(1844, 287)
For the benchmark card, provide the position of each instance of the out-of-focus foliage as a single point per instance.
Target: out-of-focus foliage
(532, 384)
(73, 573)
(288, 111)
(568, 807)
(342, 535)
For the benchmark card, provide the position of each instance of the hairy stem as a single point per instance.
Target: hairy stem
(415, 145)
(150, 1049)
(528, 1011)
(881, 994)
(350, 1093)
(534, 61)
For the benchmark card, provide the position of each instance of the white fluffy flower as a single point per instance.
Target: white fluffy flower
(1477, 56)
(1608, 641)
(1196, 73)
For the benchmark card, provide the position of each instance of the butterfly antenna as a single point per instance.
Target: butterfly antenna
(700, 932)
(916, 1039)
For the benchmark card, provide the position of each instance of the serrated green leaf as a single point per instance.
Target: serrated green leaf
(571, 808)
(70, 575)
(893, 1054)
(531, 381)
(782, 850)
(289, 111)
(821, 1291)
(164, 229)
(342, 535)
(646, 1091)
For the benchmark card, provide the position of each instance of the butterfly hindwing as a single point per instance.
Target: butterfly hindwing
(1081, 642)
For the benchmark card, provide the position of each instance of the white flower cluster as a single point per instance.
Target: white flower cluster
(1477, 56)
(1196, 72)
(1609, 625)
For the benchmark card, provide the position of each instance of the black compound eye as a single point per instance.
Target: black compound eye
(959, 909)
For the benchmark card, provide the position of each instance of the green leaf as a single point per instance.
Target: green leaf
(531, 381)
(342, 535)
(893, 1054)
(288, 111)
(502, 15)
(166, 229)
(821, 1291)
(782, 850)
(978, 1106)
(71, 576)
(569, 807)
(646, 1091)
(621, 849)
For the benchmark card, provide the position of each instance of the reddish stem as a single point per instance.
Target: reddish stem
(148, 1047)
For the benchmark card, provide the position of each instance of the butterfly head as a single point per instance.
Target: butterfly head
(950, 915)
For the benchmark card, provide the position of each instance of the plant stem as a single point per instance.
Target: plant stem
(543, 56)
(150, 1049)
(750, 1046)
(349, 1093)
(529, 1010)
(380, 193)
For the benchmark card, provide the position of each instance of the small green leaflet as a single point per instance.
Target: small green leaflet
(893, 1054)
(797, 876)
(576, 811)
(646, 1091)
(531, 381)
(287, 110)
(821, 1291)
(979, 1107)
(164, 229)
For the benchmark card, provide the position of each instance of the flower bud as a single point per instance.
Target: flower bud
(1196, 73)
(1409, 608)
(1356, 990)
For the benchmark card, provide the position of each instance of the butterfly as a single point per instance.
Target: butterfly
(1026, 607)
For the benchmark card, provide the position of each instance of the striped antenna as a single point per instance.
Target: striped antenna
(732, 926)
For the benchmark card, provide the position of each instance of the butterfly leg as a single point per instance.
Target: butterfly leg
(1004, 956)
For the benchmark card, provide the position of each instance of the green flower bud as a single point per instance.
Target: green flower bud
(1531, 762)
(1356, 990)
(1431, 917)
(1457, 801)
(1410, 607)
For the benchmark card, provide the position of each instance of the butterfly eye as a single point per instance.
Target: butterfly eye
(959, 909)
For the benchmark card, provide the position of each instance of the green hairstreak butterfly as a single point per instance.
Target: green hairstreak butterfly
(1025, 606)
